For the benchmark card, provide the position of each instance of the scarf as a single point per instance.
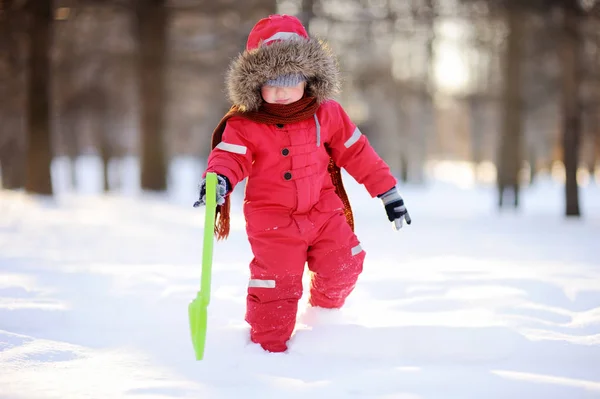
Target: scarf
(272, 114)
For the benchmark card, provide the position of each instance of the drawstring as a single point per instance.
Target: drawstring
(318, 130)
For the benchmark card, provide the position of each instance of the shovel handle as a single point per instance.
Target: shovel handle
(209, 231)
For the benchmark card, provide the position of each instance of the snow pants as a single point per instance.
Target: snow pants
(335, 259)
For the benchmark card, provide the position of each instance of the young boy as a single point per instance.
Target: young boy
(290, 139)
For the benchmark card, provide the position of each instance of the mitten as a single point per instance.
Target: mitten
(223, 187)
(394, 207)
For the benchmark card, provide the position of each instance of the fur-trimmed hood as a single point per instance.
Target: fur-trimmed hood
(308, 56)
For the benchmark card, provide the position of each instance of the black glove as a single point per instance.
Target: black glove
(223, 187)
(394, 207)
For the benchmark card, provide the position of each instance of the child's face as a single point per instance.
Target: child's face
(282, 95)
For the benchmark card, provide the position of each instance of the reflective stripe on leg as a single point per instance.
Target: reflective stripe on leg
(257, 283)
(356, 250)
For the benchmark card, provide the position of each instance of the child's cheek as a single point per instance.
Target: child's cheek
(266, 95)
(297, 94)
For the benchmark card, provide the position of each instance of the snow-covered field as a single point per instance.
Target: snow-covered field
(464, 303)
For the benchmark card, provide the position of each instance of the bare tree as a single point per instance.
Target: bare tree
(570, 47)
(592, 108)
(510, 150)
(426, 120)
(307, 12)
(39, 154)
(593, 142)
(152, 30)
(13, 24)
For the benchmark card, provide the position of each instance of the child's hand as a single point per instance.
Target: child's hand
(394, 207)
(222, 189)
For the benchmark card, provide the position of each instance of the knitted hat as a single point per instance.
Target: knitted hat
(288, 80)
(279, 52)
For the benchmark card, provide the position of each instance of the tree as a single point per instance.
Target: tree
(593, 142)
(12, 88)
(152, 32)
(39, 153)
(570, 56)
(307, 12)
(510, 155)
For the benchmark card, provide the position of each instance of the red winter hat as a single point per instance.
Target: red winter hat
(279, 52)
(275, 28)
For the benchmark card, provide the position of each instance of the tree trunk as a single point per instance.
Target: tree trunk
(476, 127)
(404, 168)
(532, 164)
(13, 30)
(105, 153)
(152, 24)
(39, 154)
(11, 154)
(595, 146)
(588, 142)
(307, 12)
(426, 127)
(73, 153)
(103, 134)
(571, 106)
(511, 157)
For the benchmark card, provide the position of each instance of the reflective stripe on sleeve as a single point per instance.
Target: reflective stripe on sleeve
(235, 148)
(354, 138)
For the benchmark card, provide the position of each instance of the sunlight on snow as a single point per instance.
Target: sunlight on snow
(465, 302)
(21, 291)
(547, 379)
(80, 372)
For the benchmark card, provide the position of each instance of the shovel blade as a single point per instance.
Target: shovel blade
(197, 310)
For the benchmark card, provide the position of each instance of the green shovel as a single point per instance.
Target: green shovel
(198, 307)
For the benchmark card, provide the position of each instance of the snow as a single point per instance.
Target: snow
(467, 302)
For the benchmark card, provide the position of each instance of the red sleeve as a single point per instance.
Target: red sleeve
(232, 157)
(351, 150)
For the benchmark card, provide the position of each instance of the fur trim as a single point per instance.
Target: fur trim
(310, 57)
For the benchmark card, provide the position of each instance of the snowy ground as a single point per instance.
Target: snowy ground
(465, 303)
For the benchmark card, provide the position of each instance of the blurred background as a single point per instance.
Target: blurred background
(474, 92)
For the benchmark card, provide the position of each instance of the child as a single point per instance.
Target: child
(290, 139)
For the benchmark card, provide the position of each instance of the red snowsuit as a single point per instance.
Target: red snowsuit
(293, 214)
